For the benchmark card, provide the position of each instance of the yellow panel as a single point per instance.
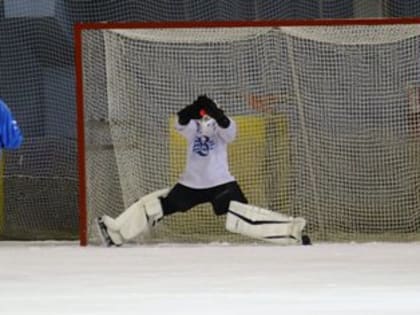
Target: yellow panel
(247, 156)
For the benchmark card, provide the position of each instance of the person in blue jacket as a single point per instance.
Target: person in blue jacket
(10, 134)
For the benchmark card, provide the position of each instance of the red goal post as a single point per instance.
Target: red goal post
(333, 134)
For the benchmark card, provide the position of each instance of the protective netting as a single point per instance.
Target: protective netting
(39, 198)
(39, 185)
(323, 117)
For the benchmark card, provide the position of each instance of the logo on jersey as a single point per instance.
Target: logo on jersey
(203, 145)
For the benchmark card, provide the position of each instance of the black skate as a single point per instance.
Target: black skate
(103, 232)
(306, 240)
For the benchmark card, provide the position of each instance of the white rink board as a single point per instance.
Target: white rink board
(63, 278)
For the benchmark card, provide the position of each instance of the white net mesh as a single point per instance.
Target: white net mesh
(40, 184)
(323, 117)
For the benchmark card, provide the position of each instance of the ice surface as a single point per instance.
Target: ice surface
(63, 278)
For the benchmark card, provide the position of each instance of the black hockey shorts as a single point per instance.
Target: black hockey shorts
(182, 198)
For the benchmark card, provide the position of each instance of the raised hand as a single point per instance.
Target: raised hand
(213, 111)
(189, 112)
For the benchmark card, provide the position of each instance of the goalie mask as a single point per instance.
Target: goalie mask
(206, 125)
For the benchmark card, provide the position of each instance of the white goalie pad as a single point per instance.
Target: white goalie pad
(136, 218)
(264, 224)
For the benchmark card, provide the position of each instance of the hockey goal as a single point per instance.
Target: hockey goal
(323, 113)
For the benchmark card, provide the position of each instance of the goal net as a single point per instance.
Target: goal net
(323, 115)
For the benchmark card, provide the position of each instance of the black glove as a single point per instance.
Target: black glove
(213, 111)
(189, 112)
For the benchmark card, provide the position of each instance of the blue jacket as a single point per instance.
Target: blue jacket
(10, 134)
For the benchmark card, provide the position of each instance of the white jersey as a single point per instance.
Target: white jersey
(207, 159)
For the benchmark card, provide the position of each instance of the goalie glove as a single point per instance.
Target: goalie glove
(189, 112)
(213, 111)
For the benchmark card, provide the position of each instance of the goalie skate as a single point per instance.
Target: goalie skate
(104, 234)
(306, 240)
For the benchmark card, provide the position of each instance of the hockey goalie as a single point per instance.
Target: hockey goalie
(206, 178)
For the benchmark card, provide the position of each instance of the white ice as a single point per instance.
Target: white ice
(63, 278)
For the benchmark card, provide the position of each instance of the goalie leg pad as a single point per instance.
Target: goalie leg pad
(153, 206)
(132, 221)
(136, 218)
(264, 224)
